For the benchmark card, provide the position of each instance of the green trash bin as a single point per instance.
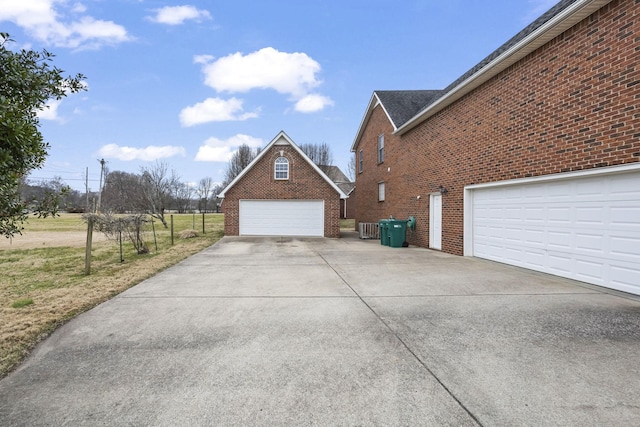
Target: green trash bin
(397, 233)
(383, 228)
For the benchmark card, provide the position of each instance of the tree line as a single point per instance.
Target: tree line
(155, 190)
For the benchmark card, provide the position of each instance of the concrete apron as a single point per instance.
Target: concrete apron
(270, 331)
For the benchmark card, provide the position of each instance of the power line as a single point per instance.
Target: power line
(64, 179)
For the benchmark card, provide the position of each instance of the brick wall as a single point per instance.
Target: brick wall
(573, 104)
(368, 208)
(303, 183)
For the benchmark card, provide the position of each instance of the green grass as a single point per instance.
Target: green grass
(42, 288)
(22, 302)
(62, 222)
(348, 224)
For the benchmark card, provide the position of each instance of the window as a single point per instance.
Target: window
(282, 168)
(381, 191)
(381, 148)
(360, 161)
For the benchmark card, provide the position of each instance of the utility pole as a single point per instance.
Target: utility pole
(86, 187)
(102, 163)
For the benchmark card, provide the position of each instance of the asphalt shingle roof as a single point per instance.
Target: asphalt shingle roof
(338, 177)
(404, 105)
(401, 105)
(544, 18)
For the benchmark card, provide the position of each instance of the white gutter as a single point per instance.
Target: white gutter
(566, 19)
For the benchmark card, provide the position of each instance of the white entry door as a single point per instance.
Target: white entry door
(435, 221)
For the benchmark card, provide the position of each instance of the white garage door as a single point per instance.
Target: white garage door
(282, 218)
(584, 228)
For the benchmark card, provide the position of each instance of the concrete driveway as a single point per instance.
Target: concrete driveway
(338, 332)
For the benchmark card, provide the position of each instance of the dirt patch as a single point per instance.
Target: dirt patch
(49, 239)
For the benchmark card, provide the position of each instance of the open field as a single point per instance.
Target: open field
(65, 230)
(42, 280)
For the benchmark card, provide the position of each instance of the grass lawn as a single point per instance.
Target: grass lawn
(348, 224)
(42, 287)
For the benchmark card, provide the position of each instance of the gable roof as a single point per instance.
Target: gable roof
(336, 175)
(283, 139)
(398, 105)
(564, 15)
(401, 105)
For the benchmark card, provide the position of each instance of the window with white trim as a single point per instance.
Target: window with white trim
(360, 161)
(381, 148)
(282, 168)
(381, 191)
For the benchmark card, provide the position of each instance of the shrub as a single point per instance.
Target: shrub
(188, 234)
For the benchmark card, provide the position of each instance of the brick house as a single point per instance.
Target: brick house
(282, 193)
(335, 174)
(531, 158)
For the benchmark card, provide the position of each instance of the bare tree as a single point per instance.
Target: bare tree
(157, 186)
(351, 168)
(123, 193)
(205, 187)
(214, 196)
(320, 154)
(183, 193)
(240, 160)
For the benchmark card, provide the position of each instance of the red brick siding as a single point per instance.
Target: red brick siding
(368, 208)
(304, 183)
(573, 104)
(351, 205)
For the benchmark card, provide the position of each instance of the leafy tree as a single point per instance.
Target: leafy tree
(27, 82)
(240, 160)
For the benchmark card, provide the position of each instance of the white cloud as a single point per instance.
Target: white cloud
(312, 103)
(203, 59)
(218, 150)
(79, 8)
(45, 20)
(150, 153)
(214, 110)
(177, 15)
(50, 110)
(294, 74)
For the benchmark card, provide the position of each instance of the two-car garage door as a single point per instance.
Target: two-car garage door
(282, 218)
(585, 228)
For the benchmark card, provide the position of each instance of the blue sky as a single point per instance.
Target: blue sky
(187, 83)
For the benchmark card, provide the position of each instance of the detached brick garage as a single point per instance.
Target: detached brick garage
(531, 158)
(282, 193)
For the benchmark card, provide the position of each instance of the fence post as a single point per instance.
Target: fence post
(87, 255)
(155, 239)
(202, 222)
(171, 229)
(120, 238)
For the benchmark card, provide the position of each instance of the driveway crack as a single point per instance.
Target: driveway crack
(404, 344)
